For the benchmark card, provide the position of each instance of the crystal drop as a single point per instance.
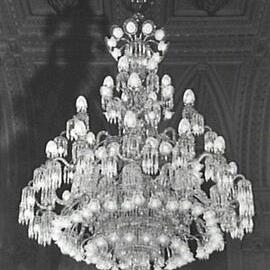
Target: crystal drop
(130, 119)
(111, 42)
(167, 92)
(162, 46)
(80, 128)
(152, 64)
(123, 64)
(219, 144)
(184, 126)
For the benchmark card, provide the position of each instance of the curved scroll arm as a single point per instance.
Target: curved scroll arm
(129, 159)
(63, 161)
(204, 155)
(172, 131)
(207, 128)
(100, 135)
(240, 177)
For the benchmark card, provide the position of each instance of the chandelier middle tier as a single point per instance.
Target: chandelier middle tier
(142, 199)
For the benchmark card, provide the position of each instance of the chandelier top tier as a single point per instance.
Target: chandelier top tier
(142, 199)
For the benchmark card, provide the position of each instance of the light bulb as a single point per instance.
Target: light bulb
(130, 26)
(172, 205)
(81, 104)
(66, 195)
(51, 149)
(159, 34)
(146, 237)
(163, 239)
(197, 210)
(129, 237)
(188, 97)
(101, 152)
(108, 81)
(147, 27)
(138, 199)
(166, 80)
(185, 205)
(117, 32)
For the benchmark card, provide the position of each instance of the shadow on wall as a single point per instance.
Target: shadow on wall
(49, 98)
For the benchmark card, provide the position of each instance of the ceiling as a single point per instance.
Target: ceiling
(47, 59)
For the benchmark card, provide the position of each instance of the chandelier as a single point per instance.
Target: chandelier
(142, 199)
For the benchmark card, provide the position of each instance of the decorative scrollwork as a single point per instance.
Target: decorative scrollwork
(138, 5)
(62, 5)
(211, 6)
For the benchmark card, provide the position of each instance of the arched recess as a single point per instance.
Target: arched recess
(265, 140)
(257, 141)
(222, 107)
(211, 100)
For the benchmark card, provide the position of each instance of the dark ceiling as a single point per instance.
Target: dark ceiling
(49, 58)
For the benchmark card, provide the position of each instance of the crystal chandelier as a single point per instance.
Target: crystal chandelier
(142, 199)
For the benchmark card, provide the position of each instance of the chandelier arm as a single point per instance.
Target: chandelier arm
(151, 41)
(204, 155)
(239, 176)
(60, 201)
(172, 131)
(203, 199)
(99, 135)
(207, 128)
(30, 183)
(63, 133)
(129, 159)
(42, 207)
(66, 209)
(63, 161)
(124, 39)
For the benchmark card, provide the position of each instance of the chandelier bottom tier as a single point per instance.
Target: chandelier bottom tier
(141, 199)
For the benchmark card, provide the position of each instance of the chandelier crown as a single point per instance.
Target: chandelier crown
(142, 199)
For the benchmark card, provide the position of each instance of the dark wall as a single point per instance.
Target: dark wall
(48, 59)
